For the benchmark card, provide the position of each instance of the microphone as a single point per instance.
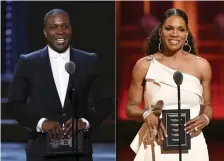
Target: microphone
(178, 78)
(70, 67)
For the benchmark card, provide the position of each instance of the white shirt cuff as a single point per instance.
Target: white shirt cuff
(39, 125)
(87, 123)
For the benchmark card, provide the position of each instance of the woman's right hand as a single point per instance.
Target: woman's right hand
(156, 128)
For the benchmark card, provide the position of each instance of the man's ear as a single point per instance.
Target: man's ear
(45, 33)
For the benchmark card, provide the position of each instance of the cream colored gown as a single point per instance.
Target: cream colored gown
(161, 86)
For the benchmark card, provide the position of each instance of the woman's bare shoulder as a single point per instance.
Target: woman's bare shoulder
(141, 66)
(143, 63)
(202, 65)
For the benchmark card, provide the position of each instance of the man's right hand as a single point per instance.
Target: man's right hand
(53, 128)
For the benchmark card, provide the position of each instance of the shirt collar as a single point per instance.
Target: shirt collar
(54, 54)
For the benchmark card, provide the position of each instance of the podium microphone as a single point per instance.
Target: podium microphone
(178, 79)
(70, 68)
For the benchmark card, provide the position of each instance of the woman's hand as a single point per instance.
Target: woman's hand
(156, 127)
(197, 124)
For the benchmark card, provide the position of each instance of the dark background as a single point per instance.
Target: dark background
(93, 31)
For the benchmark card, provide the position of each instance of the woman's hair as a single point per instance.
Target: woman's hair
(152, 41)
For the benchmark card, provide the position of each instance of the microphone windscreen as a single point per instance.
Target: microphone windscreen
(70, 67)
(178, 78)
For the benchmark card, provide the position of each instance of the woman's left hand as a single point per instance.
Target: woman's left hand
(194, 134)
(196, 124)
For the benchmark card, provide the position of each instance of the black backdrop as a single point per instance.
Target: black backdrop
(93, 26)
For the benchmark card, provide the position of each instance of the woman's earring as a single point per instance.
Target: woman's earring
(186, 45)
(160, 45)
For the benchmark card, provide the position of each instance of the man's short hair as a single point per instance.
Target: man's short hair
(53, 12)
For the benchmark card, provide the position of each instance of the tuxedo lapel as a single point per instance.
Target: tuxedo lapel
(48, 77)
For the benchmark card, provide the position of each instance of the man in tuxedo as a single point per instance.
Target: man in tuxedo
(40, 92)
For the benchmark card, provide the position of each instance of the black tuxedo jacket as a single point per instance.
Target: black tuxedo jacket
(33, 95)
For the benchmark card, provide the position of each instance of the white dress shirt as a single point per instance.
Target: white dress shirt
(61, 78)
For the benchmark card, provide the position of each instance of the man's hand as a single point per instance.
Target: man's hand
(53, 128)
(68, 127)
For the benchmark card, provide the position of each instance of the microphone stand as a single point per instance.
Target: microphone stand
(74, 120)
(179, 116)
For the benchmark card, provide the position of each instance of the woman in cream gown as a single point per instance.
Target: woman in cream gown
(152, 79)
